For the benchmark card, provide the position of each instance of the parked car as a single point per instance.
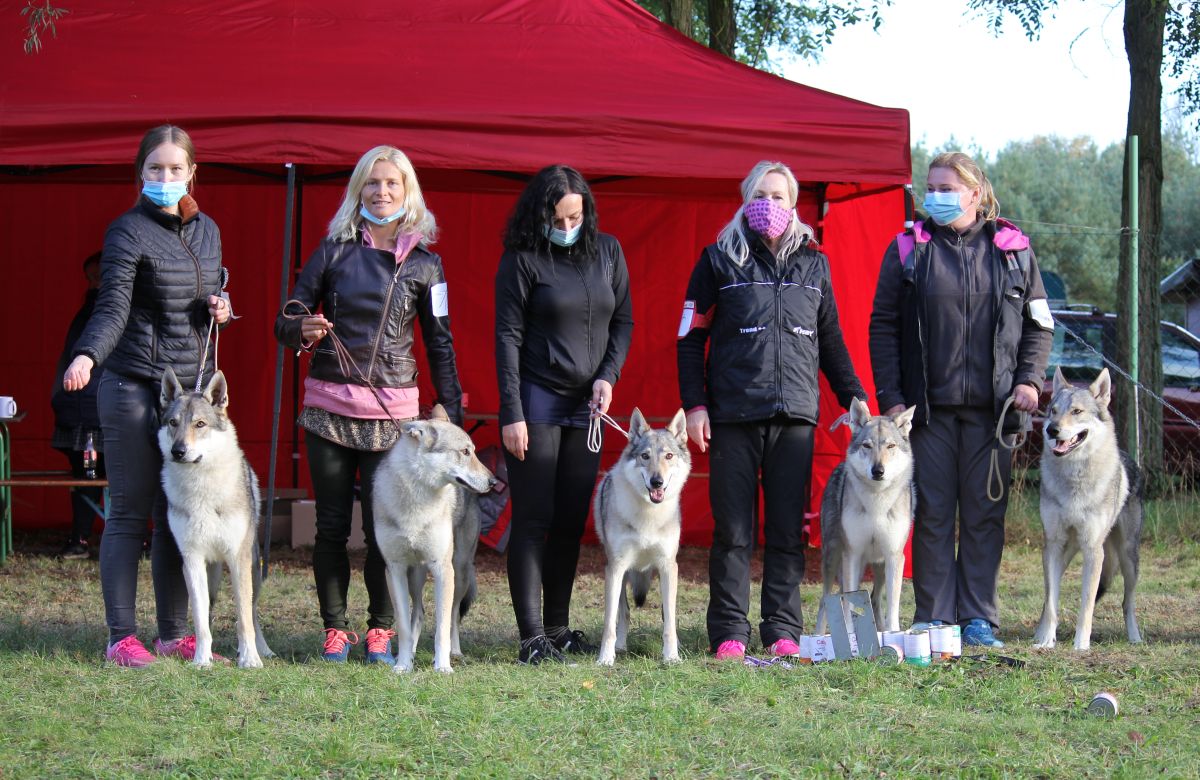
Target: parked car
(1082, 336)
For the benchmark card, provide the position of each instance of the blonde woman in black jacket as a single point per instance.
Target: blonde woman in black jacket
(160, 283)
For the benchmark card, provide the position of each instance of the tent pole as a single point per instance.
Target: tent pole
(284, 272)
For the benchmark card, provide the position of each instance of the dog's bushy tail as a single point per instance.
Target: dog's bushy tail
(639, 582)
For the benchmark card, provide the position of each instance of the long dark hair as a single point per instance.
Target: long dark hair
(535, 210)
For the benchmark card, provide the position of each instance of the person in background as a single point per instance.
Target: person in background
(960, 323)
(563, 327)
(761, 299)
(369, 282)
(76, 421)
(160, 281)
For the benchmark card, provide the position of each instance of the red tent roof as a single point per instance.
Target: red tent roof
(470, 84)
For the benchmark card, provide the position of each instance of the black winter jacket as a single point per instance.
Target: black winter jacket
(931, 345)
(373, 303)
(562, 321)
(76, 409)
(156, 273)
(768, 331)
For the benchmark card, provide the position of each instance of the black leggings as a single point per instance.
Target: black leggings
(333, 468)
(551, 491)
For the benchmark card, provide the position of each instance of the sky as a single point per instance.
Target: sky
(958, 80)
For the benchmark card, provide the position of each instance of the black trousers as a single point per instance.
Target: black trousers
(952, 455)
(551, 491)
(129, 416)
(333, 469)
(781, 451)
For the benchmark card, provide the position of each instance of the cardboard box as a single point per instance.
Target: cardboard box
(304, 525)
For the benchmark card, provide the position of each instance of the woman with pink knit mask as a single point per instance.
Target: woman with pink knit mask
(761, 301)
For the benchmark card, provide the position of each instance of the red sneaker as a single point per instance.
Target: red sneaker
(129, 652)
(183, 648)
(731, 650)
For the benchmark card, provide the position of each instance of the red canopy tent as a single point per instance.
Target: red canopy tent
(480, 94)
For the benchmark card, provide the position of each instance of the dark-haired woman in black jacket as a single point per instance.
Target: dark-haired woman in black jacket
(563, 327)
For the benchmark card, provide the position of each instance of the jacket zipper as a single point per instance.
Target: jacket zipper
(962, 258)
(921, 337)
(199, 292)
(387, 305)
(587, 295)
(779, 344)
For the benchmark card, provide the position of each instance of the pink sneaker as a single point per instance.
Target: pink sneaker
(784, 648)
(184, 649)
(129, 652)
(731, 650)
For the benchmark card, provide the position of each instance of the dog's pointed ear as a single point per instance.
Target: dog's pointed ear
(903, 420)
(678, 428)
(860, 414)
(637, 423)
(1101, 389)
(217, 392)
(414, 429)
(170, 388)
(1060, 381)
(439, 413)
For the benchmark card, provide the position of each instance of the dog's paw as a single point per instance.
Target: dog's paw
(250, 662)
(1043, 644)
(672, 659)
(1083, 647)
(447, 669)
(400, 668)
(606, 659)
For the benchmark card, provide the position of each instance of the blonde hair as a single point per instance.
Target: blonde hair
(732, 239)
(417, 219)
(970, 174)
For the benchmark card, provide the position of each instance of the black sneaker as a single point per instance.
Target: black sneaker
(537, 649)
(573, 642)
(74, 549)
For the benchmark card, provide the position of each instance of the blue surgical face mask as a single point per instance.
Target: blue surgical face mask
(164, 193)
(368, 216)
(563, 237)
(943, 207)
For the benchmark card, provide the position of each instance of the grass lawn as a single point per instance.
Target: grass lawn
(67, 714)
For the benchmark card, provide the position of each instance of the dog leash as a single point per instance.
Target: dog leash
(346, 363)
(1018, 438)
(214, 336)
(595, 429)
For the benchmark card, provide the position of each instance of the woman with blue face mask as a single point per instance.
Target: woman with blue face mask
(160, 283)
(960, 324)
(563, 326)
(369, 283)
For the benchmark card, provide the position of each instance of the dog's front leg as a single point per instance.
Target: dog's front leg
(416, 589)
(195, 574)
(443, 595)
(397, 577)
(614, 592)
(1053, 564)
(894, 577)
(852, 570)
(260, 639)
(668, 581)
(1093, 561)
(242, 576)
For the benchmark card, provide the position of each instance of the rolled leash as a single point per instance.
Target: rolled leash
(595, 439)
(994, 478)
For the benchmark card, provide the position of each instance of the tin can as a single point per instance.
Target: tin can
(1103, 705)
(916, 648)
(895, 639)
(890, 655)
(945, 642)
(822, 648)
(806, 648)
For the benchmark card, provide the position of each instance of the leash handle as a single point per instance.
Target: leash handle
(995, 482)
(595, 438)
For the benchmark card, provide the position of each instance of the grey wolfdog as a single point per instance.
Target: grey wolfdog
(425, 521)
(637, 517)
(1091, 500)
(212, 509)
(867, 511)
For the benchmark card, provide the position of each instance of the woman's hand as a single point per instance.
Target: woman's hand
(1025, 398)
(698, 429)
(601, 395)
(218, 309)
(515, 437)
(78, 374)
(314, 328)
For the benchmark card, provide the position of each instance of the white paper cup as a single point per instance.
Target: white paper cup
(8, 407)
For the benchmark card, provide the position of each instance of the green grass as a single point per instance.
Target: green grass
(66, 714)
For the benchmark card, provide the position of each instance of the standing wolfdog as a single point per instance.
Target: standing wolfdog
(420, 512)
(1091, 500)
(637, 518)
(867, 511)
(212, 509)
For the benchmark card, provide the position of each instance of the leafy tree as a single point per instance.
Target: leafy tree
(751, 31)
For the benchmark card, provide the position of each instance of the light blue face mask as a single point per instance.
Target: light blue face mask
(368, 216)
(943, 207)
(164, 193)
(563, 237)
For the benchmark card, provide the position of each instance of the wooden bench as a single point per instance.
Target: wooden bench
(44, 479)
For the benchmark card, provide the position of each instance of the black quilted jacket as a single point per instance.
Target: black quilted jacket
(156, 274)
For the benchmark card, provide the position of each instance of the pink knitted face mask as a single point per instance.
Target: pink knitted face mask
(767, 218)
